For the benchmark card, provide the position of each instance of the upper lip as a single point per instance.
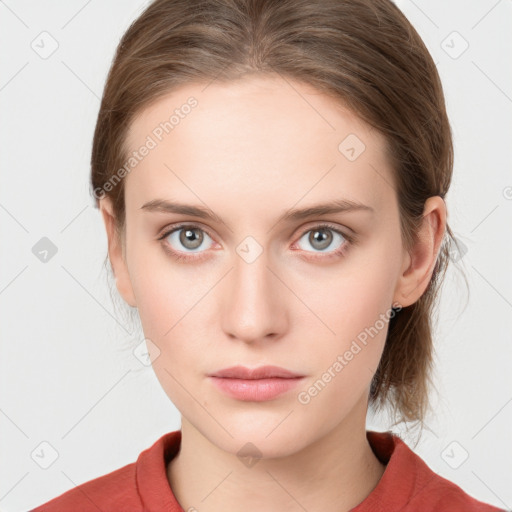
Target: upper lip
(262, 372)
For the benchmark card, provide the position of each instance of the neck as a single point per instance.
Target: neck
(335, 472)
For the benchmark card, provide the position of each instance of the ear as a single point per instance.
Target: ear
(420, 260)
(116, 253)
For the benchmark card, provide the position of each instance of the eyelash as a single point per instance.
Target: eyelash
(341, 251)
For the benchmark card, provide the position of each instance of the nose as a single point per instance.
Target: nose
(255, 305)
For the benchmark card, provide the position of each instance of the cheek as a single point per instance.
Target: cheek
(173, 302)
(169, 319)
(353, 295)
(164, 291)
(354, 306)
(344, 363)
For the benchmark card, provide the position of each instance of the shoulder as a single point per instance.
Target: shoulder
(140, 485)
(433, 492)
(442, 493)
(409, 484)
(115, 490)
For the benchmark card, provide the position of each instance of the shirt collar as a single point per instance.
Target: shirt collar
(404, 474)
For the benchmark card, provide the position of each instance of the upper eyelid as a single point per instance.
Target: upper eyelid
(167, 231)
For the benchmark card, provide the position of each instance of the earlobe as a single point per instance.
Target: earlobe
(115, 254)
(420, 261)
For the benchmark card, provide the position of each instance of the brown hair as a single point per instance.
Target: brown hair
(364, 53)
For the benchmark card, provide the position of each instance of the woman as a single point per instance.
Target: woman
(272, 177)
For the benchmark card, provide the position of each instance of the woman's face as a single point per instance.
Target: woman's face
(261, 277)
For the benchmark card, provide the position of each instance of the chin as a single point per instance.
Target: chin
(265, 439)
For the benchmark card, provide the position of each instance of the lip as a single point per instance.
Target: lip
(261, 372)
(256, 384)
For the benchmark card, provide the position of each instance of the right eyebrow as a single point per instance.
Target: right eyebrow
(164, 206)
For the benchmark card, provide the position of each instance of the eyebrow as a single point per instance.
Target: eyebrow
(336, 206)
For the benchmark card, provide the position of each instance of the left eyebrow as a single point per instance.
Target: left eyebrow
(336, 206)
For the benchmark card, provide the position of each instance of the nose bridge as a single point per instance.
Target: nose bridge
(253, 308)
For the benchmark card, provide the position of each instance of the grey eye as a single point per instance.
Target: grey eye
(321, 238)
(188, 237)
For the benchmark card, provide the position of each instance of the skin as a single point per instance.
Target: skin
(250, 151)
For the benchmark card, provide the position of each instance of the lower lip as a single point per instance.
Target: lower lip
(255, 390)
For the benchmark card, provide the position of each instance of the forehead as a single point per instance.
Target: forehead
(254, 137)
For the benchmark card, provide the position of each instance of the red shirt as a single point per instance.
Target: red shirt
(407, 485)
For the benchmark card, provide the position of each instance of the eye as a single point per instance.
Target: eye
(324, 236)
(187, 239)
(184, 242)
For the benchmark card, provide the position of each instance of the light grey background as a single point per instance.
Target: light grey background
(68, 376)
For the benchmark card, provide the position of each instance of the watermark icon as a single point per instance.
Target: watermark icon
(44, 455)
(249, 455)
(351, 147)
(249, 249)
(146, 352)
(454, 45)
(304, 397)
(455, 455)
(44, 250)
(152, 140)
(456, 249)
(45, 45)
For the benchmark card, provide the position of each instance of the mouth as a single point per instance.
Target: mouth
(261, 372)
(257, 384)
